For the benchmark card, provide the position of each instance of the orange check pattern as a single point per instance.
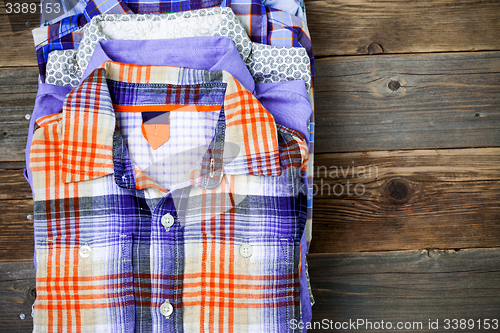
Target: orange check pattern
(106, 259)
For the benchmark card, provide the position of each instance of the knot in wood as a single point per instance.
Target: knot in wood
(394, 85)
(375, 48)
(32, 293)
(398, 190)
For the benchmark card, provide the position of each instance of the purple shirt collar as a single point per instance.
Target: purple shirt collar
(207, 53)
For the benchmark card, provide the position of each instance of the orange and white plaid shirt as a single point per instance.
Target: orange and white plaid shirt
(197, 230)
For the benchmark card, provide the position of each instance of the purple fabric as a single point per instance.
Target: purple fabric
(305, 299)
(286, 101)
(208, 53)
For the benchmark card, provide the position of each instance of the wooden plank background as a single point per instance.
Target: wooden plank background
(408, 113)
(351, 27)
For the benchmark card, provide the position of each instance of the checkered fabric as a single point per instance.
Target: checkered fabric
(106, 262)
(67, 33)
(271, 26)
(265, 26)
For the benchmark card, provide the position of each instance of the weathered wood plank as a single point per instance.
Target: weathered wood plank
(347, 27)
(412, 286)
(18, 88)
(402, 200)
(14, 165)
(408, 199)
(16, 230)
(13, 185)
(434, 101)
(17, 46)
(444, 100)
(17, 291)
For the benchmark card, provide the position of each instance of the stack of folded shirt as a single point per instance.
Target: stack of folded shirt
(170, 157)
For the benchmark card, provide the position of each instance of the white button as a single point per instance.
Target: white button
(246, 250)
(167, 221)
(166, 309)
(85, 251)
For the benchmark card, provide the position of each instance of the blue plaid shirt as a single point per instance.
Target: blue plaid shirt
(264, 25)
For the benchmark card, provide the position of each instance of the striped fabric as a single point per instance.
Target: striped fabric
(266, 63)
(107, 261)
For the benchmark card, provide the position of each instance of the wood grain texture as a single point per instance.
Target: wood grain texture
(405, 286)
(17, 291)
(408, 102)
(402, 200)
(13, 185)
(17, 47)
(18, 88)
(412, 286)
(16, 230)
(347, 27)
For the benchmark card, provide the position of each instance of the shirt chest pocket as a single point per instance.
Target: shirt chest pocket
(84, 283)
(241, 283)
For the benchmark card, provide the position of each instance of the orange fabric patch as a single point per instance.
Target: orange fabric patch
(166, 107)
(156, 134)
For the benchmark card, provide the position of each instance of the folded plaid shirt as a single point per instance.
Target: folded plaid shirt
(127, 239)
(265, 25)
(75, 7)
(63, 63)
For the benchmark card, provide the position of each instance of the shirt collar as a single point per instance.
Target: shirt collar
(89, 137)
(208, 53)
(103, 27)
